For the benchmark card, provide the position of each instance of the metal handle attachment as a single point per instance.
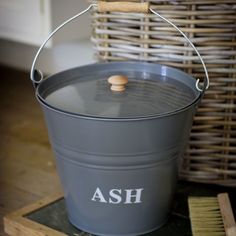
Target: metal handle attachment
(206, 81)
(37, 76)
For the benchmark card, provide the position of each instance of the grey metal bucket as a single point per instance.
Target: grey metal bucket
(118, 172)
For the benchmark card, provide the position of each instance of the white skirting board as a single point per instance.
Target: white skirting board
(57, 58)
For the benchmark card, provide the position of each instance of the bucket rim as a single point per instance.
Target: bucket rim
(94, 117)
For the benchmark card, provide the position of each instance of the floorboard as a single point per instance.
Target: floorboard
(27, 167)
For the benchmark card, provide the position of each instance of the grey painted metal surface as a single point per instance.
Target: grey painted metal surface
(118, 174)
(151, 91)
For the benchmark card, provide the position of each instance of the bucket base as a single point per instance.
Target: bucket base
(117, 234)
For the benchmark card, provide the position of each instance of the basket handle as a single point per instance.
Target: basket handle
(37, 76)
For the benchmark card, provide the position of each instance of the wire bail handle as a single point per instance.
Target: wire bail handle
(36, 75)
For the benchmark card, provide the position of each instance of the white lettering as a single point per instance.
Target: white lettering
(136, 195)
(98, 196)
(115, 197)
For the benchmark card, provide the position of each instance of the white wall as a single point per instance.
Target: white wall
(71, 47)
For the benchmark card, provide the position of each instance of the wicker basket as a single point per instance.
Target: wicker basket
(211, 26)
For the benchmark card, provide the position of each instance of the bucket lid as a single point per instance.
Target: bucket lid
(152, 90)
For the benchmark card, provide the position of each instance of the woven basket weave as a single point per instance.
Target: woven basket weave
(211, 26)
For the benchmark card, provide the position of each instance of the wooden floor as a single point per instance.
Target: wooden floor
(27, 168)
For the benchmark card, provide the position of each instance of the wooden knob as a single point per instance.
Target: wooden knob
(118, 82)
